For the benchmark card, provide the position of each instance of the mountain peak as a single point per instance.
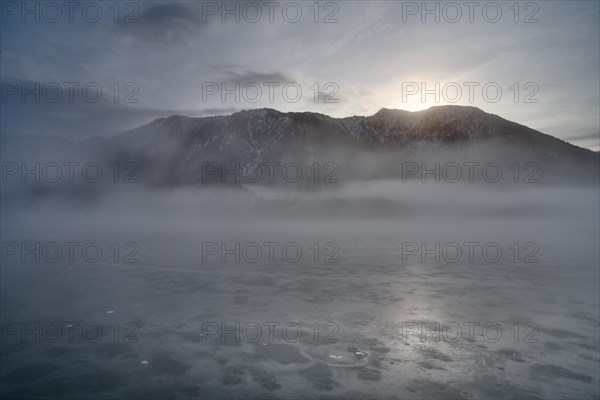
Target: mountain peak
(259, 112)
(432, 109)
(390, 111)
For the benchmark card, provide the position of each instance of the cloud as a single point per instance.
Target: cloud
(75, 116)
(163, 22)
(253, 76)
(328, 93)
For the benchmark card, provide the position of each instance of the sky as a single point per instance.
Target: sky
(101, 68)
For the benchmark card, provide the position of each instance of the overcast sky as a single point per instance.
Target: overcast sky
(349, 58)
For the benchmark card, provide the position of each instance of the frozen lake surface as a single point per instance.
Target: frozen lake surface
(182, 323)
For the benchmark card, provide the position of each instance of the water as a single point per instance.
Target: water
(165, 325)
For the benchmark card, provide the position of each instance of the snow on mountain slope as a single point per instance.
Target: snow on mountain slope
(173, 150)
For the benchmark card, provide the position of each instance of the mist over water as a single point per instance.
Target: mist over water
(181, 267)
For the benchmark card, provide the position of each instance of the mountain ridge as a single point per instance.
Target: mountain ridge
(174, 150)
(383, 114)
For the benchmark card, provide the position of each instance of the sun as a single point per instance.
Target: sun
(412, 105)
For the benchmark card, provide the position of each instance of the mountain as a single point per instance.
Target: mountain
(177, 150)
(376, 146)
